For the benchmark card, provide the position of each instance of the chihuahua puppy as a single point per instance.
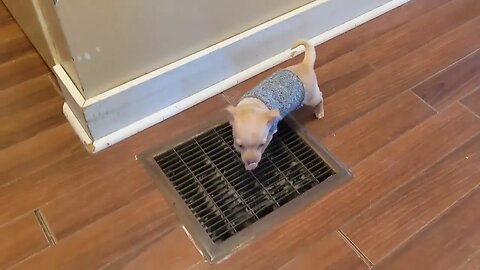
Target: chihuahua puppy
(254, 120)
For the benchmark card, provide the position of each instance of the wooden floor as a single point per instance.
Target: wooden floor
(402, 111)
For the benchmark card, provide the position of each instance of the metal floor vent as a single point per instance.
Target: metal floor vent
(220, 203)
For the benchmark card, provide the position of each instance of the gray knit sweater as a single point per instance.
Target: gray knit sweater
(283, 91)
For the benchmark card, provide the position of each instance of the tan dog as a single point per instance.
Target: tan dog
(255, 117)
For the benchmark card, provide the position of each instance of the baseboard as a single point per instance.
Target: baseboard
(136, 105)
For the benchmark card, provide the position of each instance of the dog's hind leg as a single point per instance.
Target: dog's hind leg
(319, 110)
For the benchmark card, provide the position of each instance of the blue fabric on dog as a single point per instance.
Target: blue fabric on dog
(283, 91)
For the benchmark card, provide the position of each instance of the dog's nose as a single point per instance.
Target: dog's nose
(251, 166)
(250, 161)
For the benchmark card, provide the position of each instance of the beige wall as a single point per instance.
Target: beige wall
(114, 41)
(39, 21)
(24, 12)
(56, 38)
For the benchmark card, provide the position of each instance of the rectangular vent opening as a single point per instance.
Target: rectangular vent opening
(224, 199)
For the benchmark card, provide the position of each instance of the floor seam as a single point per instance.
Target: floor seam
(471, 91)
(396, 94)
(424, 101)
(468, 109)
(462, 266)
(437, 161)
(363, 46)
(469, 53)
(26, 55)
(13, 220)
(407, 181)
(446, 211)
(47, 232)
(355, 248)
(26, 81)
(74, 150)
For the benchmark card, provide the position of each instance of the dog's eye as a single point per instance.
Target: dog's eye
(261, 145)
(240, 145)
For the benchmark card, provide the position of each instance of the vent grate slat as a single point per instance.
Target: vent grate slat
(208, 174)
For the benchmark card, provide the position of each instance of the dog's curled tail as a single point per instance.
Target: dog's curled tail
(310, 54)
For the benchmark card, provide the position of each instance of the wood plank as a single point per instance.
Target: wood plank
(4, 13)
(371, 132)
(419, 31)
(30, 121)
(390, 21)
(361, 97)
(331, 252)
(48, 183)
(13, 43)
(455, 237)
(21, 69)
(341, 72)
(471, 263)
(377, 175)
(392, 221)
(342, 81)
(8, 31)
(174, 251)
(108, 238)
(38, 152)
(20, 239)
(91, 202)
(80, 168)
(25, 95)
(472, 102)
(452, 83)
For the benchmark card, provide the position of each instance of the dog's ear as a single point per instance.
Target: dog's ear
(231, 110)
(272, 115)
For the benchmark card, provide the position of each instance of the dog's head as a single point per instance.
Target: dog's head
(251, 132)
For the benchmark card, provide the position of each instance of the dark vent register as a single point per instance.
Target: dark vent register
(209, 175)
(222, 197)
